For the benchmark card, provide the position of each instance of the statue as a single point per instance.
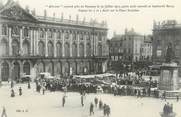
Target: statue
(169, 54)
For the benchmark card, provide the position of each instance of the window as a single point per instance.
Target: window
(58, 35)
(88, 37)
(129, 50)
(4, 30)
(100, 38)
(26, 32)
(81, 37)
(66, 35)
(15, 30)
(42, 34)
(74, 36)
(50, 34)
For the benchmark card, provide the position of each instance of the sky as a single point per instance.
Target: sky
(141, 21)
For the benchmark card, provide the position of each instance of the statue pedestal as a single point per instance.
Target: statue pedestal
(169, 77)
(167, 115)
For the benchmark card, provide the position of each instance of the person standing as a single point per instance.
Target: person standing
(91, 109)
(43, 90)
(100, 104)
(96, 101)
(82, 100)
(20, 91)
(108, 110)
(12, 93)
(177, 96)
(104, 109)
(12, 84)
(4, 112)
(29, 86)
(63, 101)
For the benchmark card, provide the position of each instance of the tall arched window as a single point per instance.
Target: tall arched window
(99, 50)
(81, 50)
(26, 48)
(50, 68)
(59, 49)
(88, 49)
(16, 71)
(4, 30)
(74, 50)
(26, 32)
(67, 50)
(50, 49)
(4, 49)
(15, 48)
(5, 71)
(41, 67)
(26, 68)
(41, 48)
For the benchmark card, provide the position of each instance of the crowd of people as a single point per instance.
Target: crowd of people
(91, 87)
(102, 107)
(168, 109)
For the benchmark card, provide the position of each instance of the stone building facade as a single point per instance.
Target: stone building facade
(30, 44)
(166, 33)
(129, 48)
(146, 49)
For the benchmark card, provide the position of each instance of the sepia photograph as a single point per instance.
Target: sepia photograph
(90, 58)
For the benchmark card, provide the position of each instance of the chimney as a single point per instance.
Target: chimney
(84, 20)
(91, 20)
(132, 29)
(77, 18)
(126, 31)
(62, 16)
(54, 15)
(102, 23)
(114, 33)
(154, 24)
(45, 13)
(69, 17)
(27, 9)
(33, 12)
(105, 23)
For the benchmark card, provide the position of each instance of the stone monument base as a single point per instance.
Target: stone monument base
(168, 115)
(169, 77)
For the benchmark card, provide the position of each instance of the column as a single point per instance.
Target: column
(103, 45)
(63, 43)
(21, 40)
(92, 45)
(95, 45)
(55, 40)
(78, 53)
(46, 42)
(21, 69)
(0, 75)
(10, 41)
(31, 39)
(85, 45)
(71, 44)
(1, 29)
(76, 67)
(11, 71)
(36, 41)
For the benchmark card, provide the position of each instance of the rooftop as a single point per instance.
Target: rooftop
(45, 18)
(167, 24)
